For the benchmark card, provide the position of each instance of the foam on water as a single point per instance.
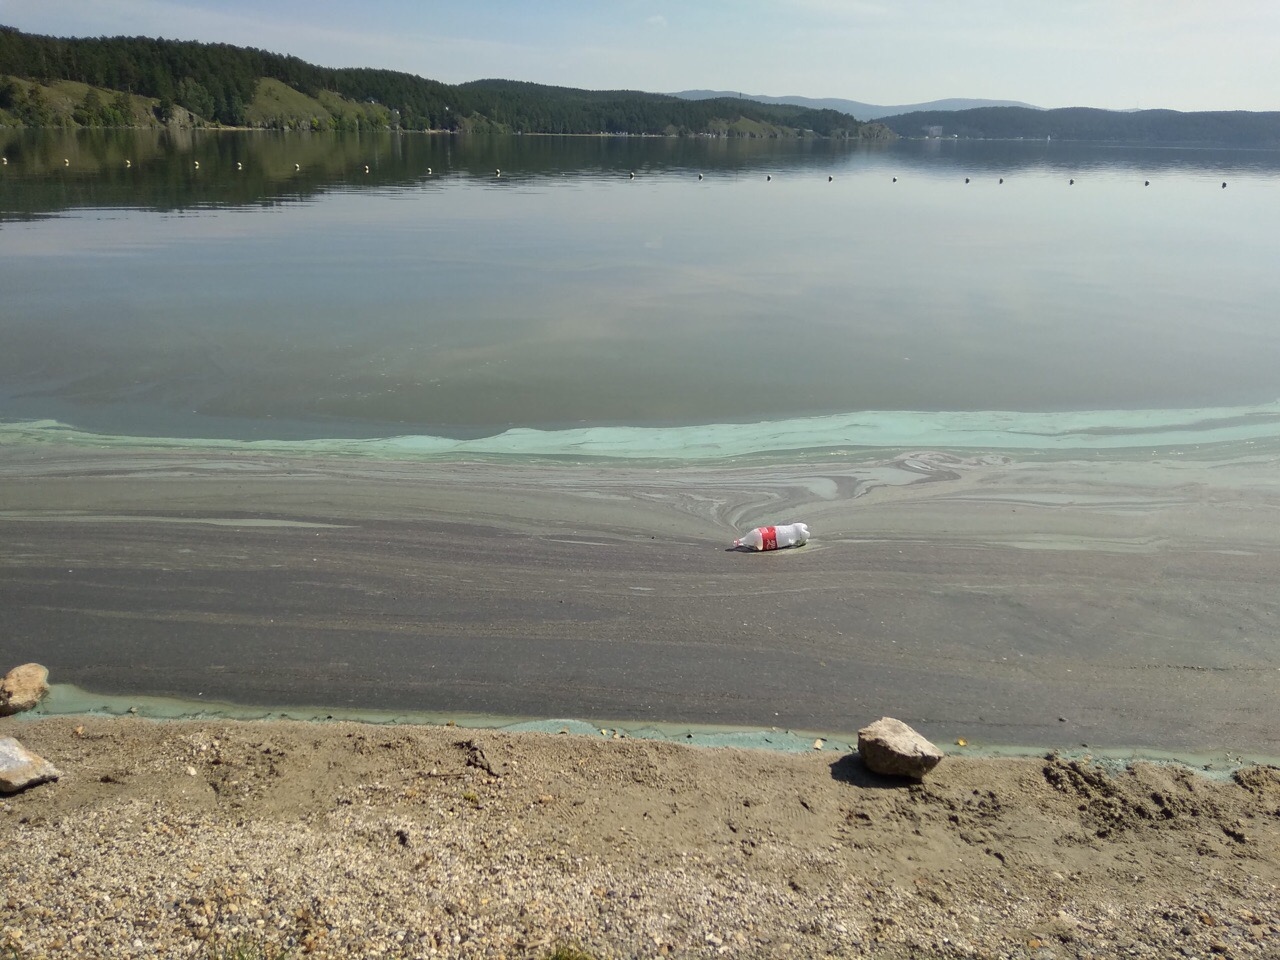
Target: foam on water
(1244, 429)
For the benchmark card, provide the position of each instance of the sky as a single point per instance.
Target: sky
(1116, 54)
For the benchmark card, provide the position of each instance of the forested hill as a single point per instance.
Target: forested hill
(185, 81)
(533, 107)
(1235, 128)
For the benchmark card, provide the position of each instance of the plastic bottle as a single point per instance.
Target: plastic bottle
(772, 538)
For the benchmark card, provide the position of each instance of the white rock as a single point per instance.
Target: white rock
(20, 768)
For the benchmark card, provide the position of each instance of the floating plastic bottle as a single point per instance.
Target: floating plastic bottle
(773, 538)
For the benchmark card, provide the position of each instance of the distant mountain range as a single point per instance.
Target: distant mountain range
(1010, 120)
(1226, 128)
(855, 108)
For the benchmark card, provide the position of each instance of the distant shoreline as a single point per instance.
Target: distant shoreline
(1116, 142)
(67, 701)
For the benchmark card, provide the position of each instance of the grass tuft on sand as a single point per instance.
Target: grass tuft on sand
(567, 952)
(246, 949)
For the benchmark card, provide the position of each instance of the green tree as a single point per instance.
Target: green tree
(89, 112)
(35, 111)
(12, 96)
(195, 97)
(120, 113)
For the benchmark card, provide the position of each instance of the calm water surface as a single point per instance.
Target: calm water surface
(723, 283)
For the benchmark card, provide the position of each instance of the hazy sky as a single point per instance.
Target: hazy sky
(1182, 54)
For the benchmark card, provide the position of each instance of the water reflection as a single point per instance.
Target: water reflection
(285, 292)
(168, 170)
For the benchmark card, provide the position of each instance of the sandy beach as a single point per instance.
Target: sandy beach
(169, 839)
(1051, 603)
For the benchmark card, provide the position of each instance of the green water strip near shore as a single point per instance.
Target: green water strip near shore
(1240, 430)
(70, 700)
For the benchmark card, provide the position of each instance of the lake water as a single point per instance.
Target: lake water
(728, 297)
(764, 331)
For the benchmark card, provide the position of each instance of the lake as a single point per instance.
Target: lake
(307, 287)
(463, 429)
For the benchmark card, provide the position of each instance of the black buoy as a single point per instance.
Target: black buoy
(1002, 179)
(1071, 182)
(768, 177)
(699, 176)
(1224, 184)
(895, 179)
(1146, 183)
(966, 179)
(830, 178)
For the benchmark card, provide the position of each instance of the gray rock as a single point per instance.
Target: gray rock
(892, 748)
(20, 768)
(22, 688)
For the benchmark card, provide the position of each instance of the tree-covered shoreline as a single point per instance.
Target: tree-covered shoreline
(139, 81)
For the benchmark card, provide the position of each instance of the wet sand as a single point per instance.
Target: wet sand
(1123, 603)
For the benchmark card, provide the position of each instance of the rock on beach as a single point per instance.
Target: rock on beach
(20, 768)
(22, 688)
(892, 748)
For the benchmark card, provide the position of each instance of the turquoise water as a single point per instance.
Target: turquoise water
(1238, 431)
(69, 700)
(795, 298)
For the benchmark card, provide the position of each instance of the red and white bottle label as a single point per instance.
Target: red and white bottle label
(770, 535)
